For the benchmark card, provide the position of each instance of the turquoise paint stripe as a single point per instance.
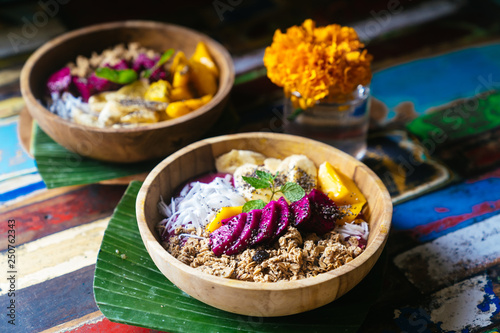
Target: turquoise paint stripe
(434, 81)
(13, 159)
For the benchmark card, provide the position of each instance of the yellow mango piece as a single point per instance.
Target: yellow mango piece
(181, 76)
(342, 190)
(202, 56)
(180, 93)
(179, 59)
(158, 91)
(195, 103)
(203, 79)
(223, 213)
(177, 109)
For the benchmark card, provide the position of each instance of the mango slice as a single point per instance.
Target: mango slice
(203, 79)
(342, 190)
(223, 213)
(177, 109)
(202, 56)
(179, 60)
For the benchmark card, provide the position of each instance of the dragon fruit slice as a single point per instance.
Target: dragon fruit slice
(243, 241)
(268, 223)
(98, 84)
(83, 87)
(143, 62)
(59, 81)
(224, 236)
(324, 213)
(158, 74)
(285, 215)
(301, 211)
(122, 64)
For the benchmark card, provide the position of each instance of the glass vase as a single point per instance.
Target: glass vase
(342, 124)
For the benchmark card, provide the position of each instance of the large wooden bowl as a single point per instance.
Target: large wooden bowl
(254, 298)
(125, 144)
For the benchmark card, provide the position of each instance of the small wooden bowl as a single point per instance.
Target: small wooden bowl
(123, 145)
(253, 298)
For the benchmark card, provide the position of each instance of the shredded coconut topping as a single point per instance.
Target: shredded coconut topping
(197, 205)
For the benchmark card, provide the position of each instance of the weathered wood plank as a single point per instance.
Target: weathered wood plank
(452, 257)
(53, 302)
(55, 255)
(78, 206)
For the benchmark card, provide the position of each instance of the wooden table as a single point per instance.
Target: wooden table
(441, 163)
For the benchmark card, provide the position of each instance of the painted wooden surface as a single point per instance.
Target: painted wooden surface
(441, 272)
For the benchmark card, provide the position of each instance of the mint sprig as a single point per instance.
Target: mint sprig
(253, 204)
(120, 76)
(163, 59)
(292, 191)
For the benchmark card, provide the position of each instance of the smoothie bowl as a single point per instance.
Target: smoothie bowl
(225, 221)
(127, 91)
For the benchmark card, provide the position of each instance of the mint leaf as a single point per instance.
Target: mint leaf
(120, 76)
(163, 59)
(265, 175)
(147, 73)
(293, 191)
(253, 204)
(256, 182)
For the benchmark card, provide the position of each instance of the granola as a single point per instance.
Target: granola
(292, 257)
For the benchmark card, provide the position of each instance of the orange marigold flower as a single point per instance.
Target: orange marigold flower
(314, 62)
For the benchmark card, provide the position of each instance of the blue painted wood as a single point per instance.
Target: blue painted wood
(438, 213)
(53, 302)
(21, 191)
(434, 81)
(13, 159)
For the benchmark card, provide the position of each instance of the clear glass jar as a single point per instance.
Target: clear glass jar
(343, 125)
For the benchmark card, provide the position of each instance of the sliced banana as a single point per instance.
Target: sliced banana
(248, 191)
(299, 169)
(110, 114)
(82, 117)
(229, 162)
(137, 89)
(272, 164)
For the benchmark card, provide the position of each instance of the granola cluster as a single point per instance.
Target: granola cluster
(292, 257)
(84, 66)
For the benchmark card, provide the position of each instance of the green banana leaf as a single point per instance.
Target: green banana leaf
(59, 167)
(128, 288)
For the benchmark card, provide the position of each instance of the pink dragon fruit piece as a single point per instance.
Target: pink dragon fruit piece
(83, 87)
(143, 62)
(59, 81)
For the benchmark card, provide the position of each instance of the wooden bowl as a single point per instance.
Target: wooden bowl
(125, 144)
(255, 298)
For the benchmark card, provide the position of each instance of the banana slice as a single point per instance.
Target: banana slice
(229, 162)
(248, 191)
(301, 170)
(272, 164)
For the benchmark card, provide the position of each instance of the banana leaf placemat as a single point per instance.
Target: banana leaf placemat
(128, 288)
(59, 167)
